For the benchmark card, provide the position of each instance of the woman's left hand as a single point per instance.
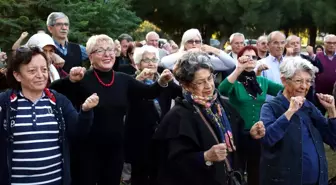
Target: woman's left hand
(326, 100)
(90, 102)
(258, 130)
(165, 77)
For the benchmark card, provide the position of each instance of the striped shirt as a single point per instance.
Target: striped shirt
(36, 158)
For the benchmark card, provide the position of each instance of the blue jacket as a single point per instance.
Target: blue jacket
(70, 124)
(281, 155)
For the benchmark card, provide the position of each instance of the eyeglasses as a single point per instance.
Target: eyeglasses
(148, 60)
(252, 57)
(194, 41)
(61, 24)
(301, 82)
(101, 51)
(201, 83)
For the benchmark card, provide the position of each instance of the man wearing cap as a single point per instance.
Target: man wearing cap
(73, 54)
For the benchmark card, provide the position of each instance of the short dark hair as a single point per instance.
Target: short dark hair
(125, 36)
(247, 48)
(21, 56)
(318, 46)
(189, 63)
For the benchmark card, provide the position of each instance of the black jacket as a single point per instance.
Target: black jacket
(179, 144)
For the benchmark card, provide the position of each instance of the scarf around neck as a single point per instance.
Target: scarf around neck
(250, 83)
(211, 107)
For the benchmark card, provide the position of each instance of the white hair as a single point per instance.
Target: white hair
(236, 35)
(291, 65)
(188, 35)
(151, 33)
(289, 38)
(328, 37)
(95, 40)
(139, 51)
(269, 37)
(262, 37)
(51, 20)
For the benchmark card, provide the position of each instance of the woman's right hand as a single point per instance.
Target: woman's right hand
(77, 74)
(245, 62)
(216, 153)
(294, 105)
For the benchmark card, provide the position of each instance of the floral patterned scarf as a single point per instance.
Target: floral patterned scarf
(211, 107)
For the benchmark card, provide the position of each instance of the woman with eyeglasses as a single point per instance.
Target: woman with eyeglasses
(102, 153)
(198, 141)
(192, 40)
(247, 93)
(293, 150)
(144, 115)
(37, 124)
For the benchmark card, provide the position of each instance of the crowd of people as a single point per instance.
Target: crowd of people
(151, 112)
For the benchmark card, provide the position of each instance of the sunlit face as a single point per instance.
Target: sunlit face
(262, 44)
(153, 40)
(34, 75)
(149, 61)
(295, 43)
(330, 45)
(277, 44)
(103, 56)
(60, 29)
(196, 42)
(253, 59)
(298, 85)
(237, 44)
(49, 51)
(203, 83)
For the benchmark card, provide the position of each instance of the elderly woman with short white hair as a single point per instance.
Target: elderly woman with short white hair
(103, 149)
(192, 40)
(293, 150)
(144, 115)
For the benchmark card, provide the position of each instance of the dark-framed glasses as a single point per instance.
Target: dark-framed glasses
(101, 51)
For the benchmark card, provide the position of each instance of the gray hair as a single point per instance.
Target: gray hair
(188, 35)
(328, 37)
(291, 65)
(151, 33)
(51, 20)
(138, 53)
(289, 38)
(262, 37)
(236, 35)
(269, 37)
(189, 63)
(125, 36)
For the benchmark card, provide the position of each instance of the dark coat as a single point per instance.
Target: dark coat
(70, 125)
(179, 144)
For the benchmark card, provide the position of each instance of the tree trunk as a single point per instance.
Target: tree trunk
(286, 30)
(312, 35)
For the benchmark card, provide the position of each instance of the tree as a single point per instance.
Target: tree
(86, 18)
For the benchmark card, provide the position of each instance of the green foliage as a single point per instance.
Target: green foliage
(86, 18)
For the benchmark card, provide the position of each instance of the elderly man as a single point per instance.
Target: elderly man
(152, 39)
(237, 43)
(73, 54)
(262, 47)
(325, 80)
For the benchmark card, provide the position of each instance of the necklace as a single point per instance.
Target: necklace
(101, 82)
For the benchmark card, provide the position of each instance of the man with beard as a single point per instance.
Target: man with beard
(73, 54)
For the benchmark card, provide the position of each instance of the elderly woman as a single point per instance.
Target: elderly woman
(102, 153)
(192, 39)
(144, 115)
(247, 93)
(36, 124)
(200, 137)
(293, 150)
